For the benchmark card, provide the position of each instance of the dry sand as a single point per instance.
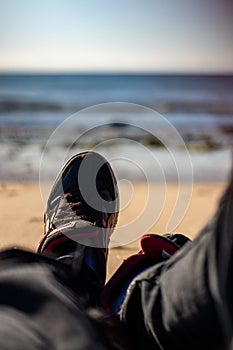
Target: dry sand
(21, 215)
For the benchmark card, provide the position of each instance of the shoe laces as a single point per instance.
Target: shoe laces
(81, 209)
(72, 206)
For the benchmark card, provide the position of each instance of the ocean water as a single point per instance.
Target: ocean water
(174, 118)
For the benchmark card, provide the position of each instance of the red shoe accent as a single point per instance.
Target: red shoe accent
(153, 247)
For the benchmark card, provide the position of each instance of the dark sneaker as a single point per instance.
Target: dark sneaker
(82, 211)
(155, 249)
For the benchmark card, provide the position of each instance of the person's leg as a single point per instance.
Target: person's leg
(154, 250)
(186, 302)
(44, 297)
(81, 214)
(40, 307)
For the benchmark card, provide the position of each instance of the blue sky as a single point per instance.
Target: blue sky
(111, 35)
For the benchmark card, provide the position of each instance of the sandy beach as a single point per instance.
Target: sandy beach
(21, 214)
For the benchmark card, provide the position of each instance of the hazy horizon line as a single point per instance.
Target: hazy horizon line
(113, 72)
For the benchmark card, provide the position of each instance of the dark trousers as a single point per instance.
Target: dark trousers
(44, 303)
(183, 303)
(186, 302)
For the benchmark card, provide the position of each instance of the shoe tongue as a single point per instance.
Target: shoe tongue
(77, 227)
(84, 232)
